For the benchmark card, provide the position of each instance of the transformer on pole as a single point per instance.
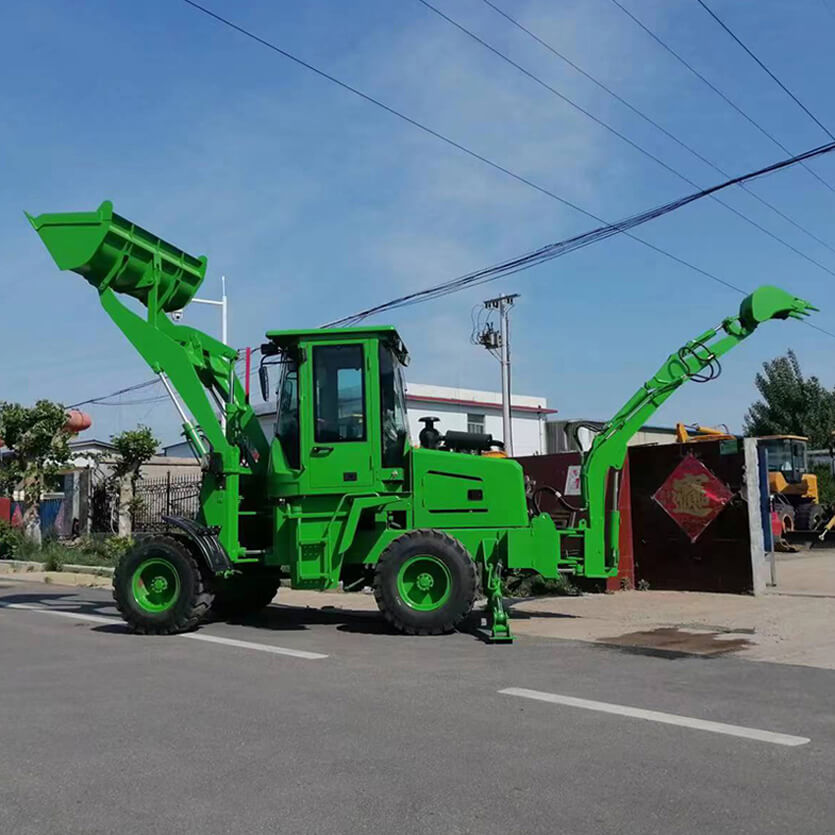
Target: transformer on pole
(500, 341)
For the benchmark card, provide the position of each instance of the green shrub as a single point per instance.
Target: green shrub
(826, 484)
(10, 540)
(53, 556)
(530, 584)
(28, 549)
(101, 551)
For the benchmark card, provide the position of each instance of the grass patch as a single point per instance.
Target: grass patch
(95, 551)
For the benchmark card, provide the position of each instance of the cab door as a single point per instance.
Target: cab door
(338, 432)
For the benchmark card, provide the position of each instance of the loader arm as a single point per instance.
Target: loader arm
(116, 256)
(696, 360)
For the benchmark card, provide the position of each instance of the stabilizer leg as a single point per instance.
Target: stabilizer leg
(498, 622)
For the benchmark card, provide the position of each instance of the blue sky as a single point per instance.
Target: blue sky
(316, 204)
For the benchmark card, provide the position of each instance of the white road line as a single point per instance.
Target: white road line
(61, 613)
(194, 636)
(234, 642)
(657, 716)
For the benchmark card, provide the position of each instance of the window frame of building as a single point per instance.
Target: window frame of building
(476, 423)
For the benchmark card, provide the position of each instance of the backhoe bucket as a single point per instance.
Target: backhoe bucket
(768, 302)
(110, 251)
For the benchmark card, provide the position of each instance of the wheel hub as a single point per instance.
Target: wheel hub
(159, 584)
(425, 581)
(155, 585)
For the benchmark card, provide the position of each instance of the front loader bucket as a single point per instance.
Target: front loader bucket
(110, 251)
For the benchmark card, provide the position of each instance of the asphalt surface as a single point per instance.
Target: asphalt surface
(102, 731)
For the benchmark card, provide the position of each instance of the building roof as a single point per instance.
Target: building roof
(80, 444)
(479, 404)
(475, 398)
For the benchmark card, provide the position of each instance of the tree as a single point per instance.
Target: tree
(134, 447)
(791, 403)
(39, 447)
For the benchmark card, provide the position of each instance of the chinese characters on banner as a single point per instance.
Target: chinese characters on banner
(692, 496)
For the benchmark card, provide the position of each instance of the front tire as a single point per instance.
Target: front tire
(159, 588)
(425, 583)
(808, 517)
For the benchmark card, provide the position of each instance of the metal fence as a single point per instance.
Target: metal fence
(169, 496)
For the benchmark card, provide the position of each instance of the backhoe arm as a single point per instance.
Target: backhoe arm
(696, 360)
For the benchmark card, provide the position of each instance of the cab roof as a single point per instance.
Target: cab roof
(386, 333)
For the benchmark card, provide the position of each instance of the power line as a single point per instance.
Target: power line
(653, 122)
(762, 66)
(610, 229)
(98, 401)
(555, 250)
(716, 90)
(618, 134)
(94, 400)
(430, 131)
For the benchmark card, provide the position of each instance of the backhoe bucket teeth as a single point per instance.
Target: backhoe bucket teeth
(110, 251)
(769, 302)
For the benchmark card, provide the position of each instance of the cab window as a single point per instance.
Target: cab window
(395, 429)
(287, 418)
(338, 393)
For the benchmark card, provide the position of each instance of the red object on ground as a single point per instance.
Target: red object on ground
(776, 525)
(5, 510)
(692, 496)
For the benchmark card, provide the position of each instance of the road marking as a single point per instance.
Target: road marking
(657, 716)
(60, 613)
(194, 636)
(234, 642)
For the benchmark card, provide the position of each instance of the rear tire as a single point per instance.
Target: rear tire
(425, 583)
(808, 517)
(159, 588)
(243, 595)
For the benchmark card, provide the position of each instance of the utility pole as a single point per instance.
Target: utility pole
(177, 315)
(500, 341)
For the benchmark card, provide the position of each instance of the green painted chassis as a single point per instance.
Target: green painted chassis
(266, 514)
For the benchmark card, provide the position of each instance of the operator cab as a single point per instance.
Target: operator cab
(341, 420)
(787, 454)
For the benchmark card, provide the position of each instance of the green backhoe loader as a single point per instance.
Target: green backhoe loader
(338, 493)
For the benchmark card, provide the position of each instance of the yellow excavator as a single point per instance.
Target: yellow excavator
(794, 489)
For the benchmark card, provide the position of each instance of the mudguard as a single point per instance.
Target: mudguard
(207, 545)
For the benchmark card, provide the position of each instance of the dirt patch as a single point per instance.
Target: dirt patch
(674, 640)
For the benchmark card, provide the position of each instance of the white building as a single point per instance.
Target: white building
(471, 410)
(467, 410)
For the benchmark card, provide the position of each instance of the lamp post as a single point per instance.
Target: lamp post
(177, 315)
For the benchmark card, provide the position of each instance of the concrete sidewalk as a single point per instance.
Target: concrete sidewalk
(792, 624)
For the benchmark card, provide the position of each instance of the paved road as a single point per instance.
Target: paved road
(103, 731)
